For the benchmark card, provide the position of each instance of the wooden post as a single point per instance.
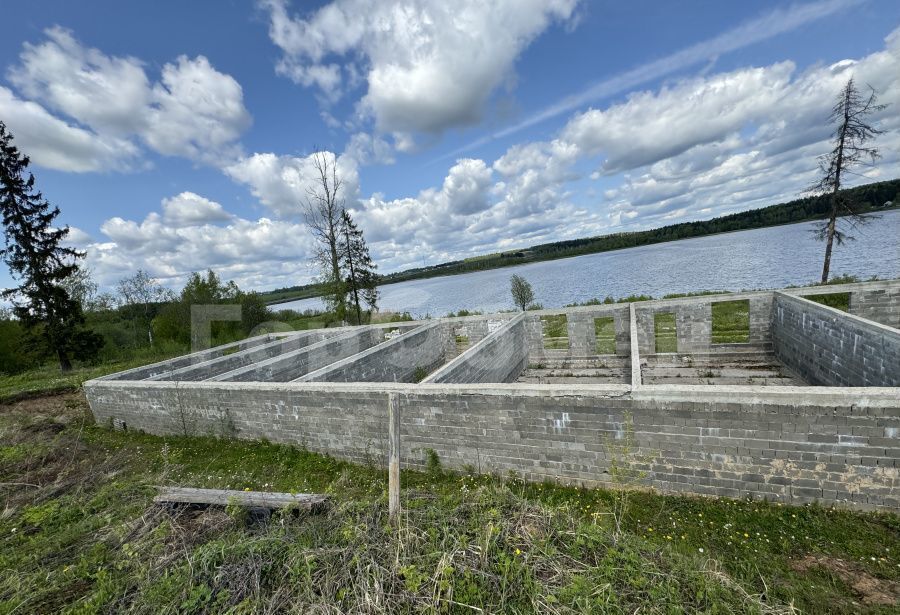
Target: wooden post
(393, 455)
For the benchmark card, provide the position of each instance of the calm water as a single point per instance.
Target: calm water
(761, 258)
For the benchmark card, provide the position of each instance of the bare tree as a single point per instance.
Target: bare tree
(851, 135)
(81, 287)
(521, 291)
(323, 209)
(139, 293)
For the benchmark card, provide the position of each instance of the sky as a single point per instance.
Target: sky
(177, 136)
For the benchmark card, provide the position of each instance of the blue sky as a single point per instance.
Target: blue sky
(175, 136)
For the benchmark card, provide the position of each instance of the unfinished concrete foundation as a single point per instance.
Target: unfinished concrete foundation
(763, 394)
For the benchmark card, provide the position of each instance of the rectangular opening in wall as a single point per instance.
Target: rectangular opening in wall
(556, 331)
(664, 330)
(840, 301)
(461, 337)
(605, 332)
(731, 322)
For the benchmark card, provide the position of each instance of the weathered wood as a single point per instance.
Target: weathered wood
(394, 455)
(246, 499)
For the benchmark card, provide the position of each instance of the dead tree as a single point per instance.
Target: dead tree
(850, 138)
(323, 208)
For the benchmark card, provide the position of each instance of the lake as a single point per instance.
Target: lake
(761, 258)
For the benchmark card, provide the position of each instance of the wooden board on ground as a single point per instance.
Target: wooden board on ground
(246, 499)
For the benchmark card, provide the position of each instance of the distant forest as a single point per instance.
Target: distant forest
(871, 197)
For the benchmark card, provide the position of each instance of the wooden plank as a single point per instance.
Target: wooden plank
(247, 499)
(393, 456)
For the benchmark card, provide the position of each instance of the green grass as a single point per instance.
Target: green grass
(605, 333)
(664, 329)
(731, 322)
(79, 533)
(556, 331)
(49, 379)
(840, 301)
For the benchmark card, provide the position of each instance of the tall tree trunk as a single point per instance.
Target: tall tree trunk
(353, 285)
(65, 364)
(829, 239)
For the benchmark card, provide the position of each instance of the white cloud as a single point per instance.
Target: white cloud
(776, 22)
(189, 208)
(193, 111)
(255, 253)
(429, 65)
(197, 112)
(651, 126)
(100, 91)
(282, 183)
(52, 143)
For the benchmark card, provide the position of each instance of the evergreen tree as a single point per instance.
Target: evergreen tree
(851, 134)
(36, 259)
(361, 280)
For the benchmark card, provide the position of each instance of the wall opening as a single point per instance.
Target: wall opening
(605, 333)
(555, 331)
(461, 338)
(840, 301)
(731, 322)
(665, 332)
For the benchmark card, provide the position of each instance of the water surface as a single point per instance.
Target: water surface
(771, 257)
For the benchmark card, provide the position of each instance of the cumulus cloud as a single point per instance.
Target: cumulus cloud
(55, 144)
(193, 111)
(197, 112)
(189, 208)
(428, 65)
(695, 150)
(282, 183)
(171, 244)
(651, 126)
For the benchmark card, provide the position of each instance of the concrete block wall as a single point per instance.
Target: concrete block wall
(829, 347)
(393, 361)
(499, 357)
(294, 364)
(155, 369)
(831, 446)
(580, 329)
(473, 328)
(693, 321)
(878, 301)
(243, 358)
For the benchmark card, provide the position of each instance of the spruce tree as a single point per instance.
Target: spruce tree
(850, 148)
(40, 264)
(361, 280)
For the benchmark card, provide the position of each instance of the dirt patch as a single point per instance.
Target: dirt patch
(62, 404)
(870, 589)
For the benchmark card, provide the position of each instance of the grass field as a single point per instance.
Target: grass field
(556, 331)
(79, 534)
(605, 334)
(664, 330)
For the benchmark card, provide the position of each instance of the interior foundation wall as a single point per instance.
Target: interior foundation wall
(398, 360)
(831, 348)
(499, 357)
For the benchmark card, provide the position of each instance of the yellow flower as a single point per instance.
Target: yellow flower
(518, 552)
